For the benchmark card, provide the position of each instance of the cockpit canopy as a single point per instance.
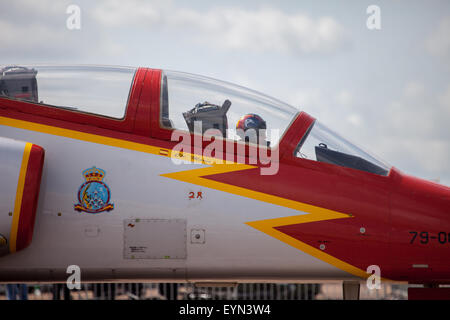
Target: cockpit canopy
(186, 102)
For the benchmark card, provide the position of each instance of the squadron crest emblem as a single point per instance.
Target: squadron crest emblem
(94, 194)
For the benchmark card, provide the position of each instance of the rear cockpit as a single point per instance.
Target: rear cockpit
(91, 89)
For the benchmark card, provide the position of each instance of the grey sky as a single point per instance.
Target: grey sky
(387, 90)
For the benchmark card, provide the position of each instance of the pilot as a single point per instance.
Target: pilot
(252, 128)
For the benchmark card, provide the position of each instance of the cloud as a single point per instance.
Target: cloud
(116, 13)
(414, 90)
(344, 98)
(264, 29)
(25, 12)
(444, 100)
(355, 119)
(18, 41)
(415, 131)
(418, 113)
(36, 32)
(337, 109)
(438, 43)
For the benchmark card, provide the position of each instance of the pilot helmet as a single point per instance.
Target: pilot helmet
(251, 127)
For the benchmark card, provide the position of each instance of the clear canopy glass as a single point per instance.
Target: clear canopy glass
(324, 145)
(92, 89)
(219, 105)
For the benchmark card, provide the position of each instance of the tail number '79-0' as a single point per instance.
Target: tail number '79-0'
(425, 237)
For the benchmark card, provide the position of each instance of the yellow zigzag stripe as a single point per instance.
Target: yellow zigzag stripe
(77, 135)
(267, 226)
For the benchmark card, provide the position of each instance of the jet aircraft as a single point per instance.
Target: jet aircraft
(140, 174)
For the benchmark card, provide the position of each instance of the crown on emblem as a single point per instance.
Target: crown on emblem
(93, 174)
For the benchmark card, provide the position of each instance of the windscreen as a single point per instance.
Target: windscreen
(323, 145)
